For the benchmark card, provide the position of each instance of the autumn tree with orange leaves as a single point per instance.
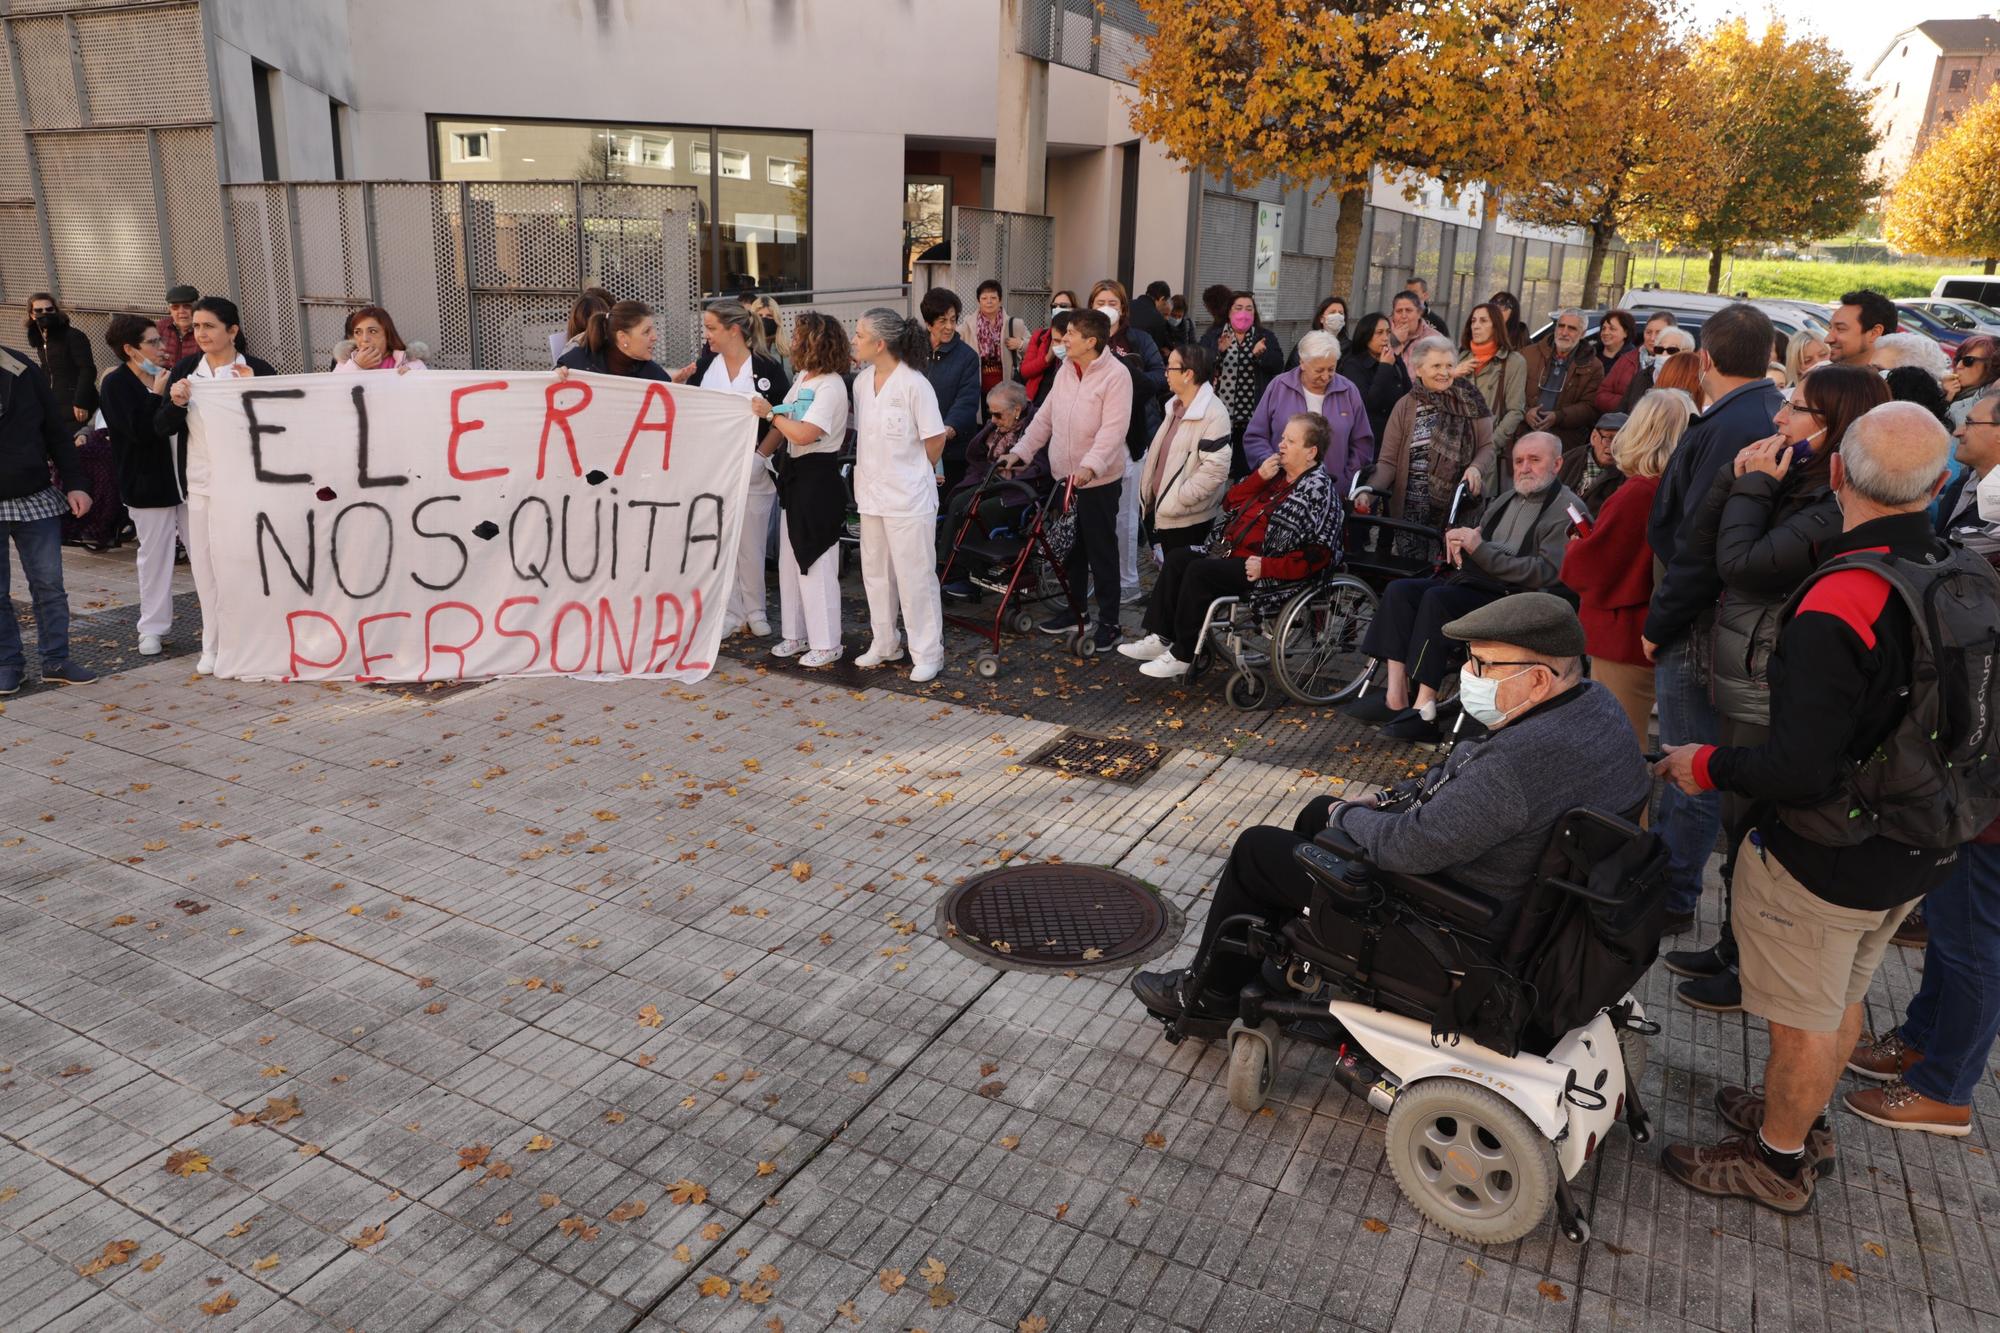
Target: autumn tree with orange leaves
(1322, 92)
(1948, 202)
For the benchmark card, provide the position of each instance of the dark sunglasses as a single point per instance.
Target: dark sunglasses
(1972, 361)
(42, 310)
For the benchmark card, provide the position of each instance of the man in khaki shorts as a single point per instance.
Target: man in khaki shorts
(1816, 902)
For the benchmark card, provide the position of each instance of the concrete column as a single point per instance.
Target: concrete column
(1021, 139)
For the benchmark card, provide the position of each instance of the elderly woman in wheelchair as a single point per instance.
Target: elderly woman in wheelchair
(1280, 527)
(1466, 942)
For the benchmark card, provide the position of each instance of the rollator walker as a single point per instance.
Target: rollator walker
(1439, 1003)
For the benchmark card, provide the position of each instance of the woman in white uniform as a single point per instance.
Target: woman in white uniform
(813, 425)
(727, 364)
(899, 437)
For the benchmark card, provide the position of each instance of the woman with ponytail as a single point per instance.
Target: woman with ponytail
(224, 355)
(729, 364)
(616, 341)
(900, 436)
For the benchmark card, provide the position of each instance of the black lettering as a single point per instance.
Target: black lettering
(694, 509)
(361, 446)
(596, 541)
(387, 547)
(614, 537)
(417, 524)
(312, 553)
(652, 522)
(259, 429)
(548, 539)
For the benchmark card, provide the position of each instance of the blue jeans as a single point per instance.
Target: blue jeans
(1956, 1011)
(40, 544)
(1687, 824)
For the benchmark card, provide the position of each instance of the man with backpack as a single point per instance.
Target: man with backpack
(1876, 771)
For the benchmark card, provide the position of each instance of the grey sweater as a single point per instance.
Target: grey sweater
(1483, 817)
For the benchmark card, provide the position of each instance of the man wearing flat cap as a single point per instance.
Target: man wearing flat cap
(1554, 741)
(177, 325)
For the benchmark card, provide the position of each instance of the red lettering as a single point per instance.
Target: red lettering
(661, 639)
(681, 663)
(461, 428)
(292, 633)
(607, 632)
(665, 426)
(554, 417)
(368, 659)
(500, 628)
(457, 650)
(555, 638)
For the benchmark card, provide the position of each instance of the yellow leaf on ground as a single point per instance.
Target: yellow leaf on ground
(541, 1143)
(471, 1159)
(756, 1293)
(1155, 1139)
(858, 1076)
(1840, 1272)
(718, 1287)
(1034, 1323)
(150, 1262)
(712, 1231)
(222, 1304)
(370, 1236)
(1876, 1250)
(766, 1168)
(266, 1264)
(1374, 1224)
(1551, 1291)
(628, 1210)
(650, 1017)
(933, 1271)
(240, 1229)
(187, 1162)
(891, 1280)
(578, 1227)
(114, 1252)
(1011, 1142)
(686, 1191)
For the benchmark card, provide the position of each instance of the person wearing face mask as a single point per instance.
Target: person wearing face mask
(1742, 409)
(1649, 341)
(1247, 356)
(1330, 317)
(1044, 348)
(152, 469)
(1766, 522)
(1553, 741)
(1136, 351)
(65, 355)
(1667, 340)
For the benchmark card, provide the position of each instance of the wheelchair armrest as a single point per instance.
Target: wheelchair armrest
(1336, 840)
(1342, 877)
(1465, 906)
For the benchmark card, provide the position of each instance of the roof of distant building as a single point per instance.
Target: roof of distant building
(1953, 35)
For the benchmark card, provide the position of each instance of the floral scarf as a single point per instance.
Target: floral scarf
(986, 330)
(1454, 411)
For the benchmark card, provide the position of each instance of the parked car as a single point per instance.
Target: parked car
(1972, 286)
(1984, 316)
(1914, 319)
(1692, 309)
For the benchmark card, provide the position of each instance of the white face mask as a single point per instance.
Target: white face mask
(1480, 695)
(1333, 322)
(1055, 310)
(1989, 495)
(1061, 350)
(1112, 313)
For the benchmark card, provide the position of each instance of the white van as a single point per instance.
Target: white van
(1983, 287)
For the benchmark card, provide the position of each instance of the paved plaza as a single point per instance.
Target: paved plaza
(550, 1004)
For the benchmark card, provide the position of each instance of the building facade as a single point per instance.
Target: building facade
(514, 149)
(1924, 79)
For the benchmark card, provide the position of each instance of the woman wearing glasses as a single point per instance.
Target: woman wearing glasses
(1972, 375)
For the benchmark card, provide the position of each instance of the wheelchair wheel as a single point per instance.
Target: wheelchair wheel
(1316, 648)
(1247, 690)
(1469, 1161)
(1253, 1066)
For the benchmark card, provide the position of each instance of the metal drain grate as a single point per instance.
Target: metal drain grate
(1084, 755)
(1059, 917)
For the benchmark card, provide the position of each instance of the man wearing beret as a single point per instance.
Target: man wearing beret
(1554, 741)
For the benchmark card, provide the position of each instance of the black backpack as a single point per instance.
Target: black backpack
(1137, 437)
(1934, 781)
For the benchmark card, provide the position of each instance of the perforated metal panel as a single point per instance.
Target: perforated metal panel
(421, 269)
(124, 56)
(101, 214)
(1015, 249)
(1103, 37)
(14, 181)
(47, 72)
(1228, 241)
(22, 269)
(643, 243)
(266, 293)
(196, 241)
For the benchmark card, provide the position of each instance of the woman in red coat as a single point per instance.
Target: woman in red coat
(1618, 352)
(1610, 568)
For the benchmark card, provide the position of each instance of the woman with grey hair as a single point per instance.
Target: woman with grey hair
(1441, 432)
(1893, 351)
(728, 364)
(899, 438)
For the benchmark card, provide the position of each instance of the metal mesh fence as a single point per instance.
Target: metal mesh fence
(1103, 37)
(1015, 249)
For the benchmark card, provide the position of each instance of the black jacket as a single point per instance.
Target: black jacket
(1769, 535)
(34, 431)
(1382, 385)
(151, 466)
(1267, 367)
(66, 360)
(171, 419)
(580, 357)
(954, 376)
(1743, 415)
(1839, 679)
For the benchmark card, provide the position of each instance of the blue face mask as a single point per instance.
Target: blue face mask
(1480, 696)
(1802, 452)
(147, 367)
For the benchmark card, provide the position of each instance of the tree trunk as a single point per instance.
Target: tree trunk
(1484, 284)
(1347, 245)
(1715, 268)
(1593, 271)
(1989, 263)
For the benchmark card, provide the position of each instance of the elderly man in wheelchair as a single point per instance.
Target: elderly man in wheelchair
(1466, 942)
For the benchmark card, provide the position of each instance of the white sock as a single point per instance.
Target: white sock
(1428, 712)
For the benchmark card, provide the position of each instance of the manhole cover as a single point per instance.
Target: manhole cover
(1058, 917)
(1083, 755)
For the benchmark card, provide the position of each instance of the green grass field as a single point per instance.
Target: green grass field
(1794, 279)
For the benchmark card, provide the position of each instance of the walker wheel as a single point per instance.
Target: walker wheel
(1024, 622)
(1085, 644)
(987, 665)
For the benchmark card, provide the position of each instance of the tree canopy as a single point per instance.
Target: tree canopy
(1948, 202)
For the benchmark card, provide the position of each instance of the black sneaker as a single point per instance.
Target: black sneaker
(1161, 993)
(1058, 625)
(1108, 637)
(1707, 962)
(10, 682)
(1719, 994)
(67, 673)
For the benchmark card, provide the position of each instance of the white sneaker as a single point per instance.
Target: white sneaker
(760, 627)
(731, 627)
(789, 648)
(149, 645)
(1146, 649)
(876, 656)
(206, 666)
(924, 674)
(1165, 667)
(820, 657)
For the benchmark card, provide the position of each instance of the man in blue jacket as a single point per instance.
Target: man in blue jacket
(954, 376)
(33, 435)
(1314, 386)
(1742, 408)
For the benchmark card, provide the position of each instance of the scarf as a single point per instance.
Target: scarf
(1453, 413)
(987, 330)
(1305, 516)
(1482, 353)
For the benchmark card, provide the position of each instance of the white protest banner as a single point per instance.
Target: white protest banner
(454, 524)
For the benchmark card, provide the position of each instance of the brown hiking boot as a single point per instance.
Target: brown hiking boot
(1914, 932)
(1883, 1058)
(1743, 1109)
(1735, 1169)
(1900, 1106)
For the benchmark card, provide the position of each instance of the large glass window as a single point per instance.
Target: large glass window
(755, 192)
